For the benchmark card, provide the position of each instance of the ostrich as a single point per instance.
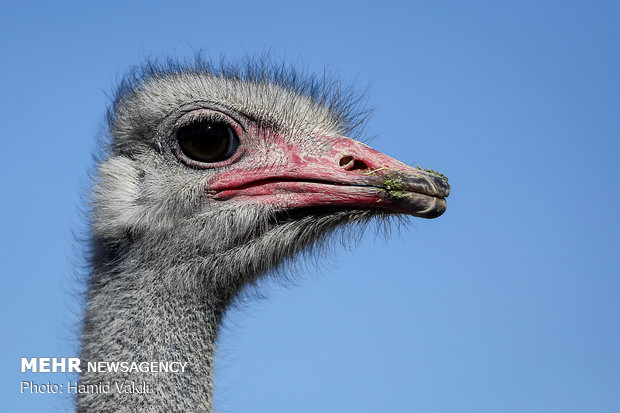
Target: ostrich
(212, 177)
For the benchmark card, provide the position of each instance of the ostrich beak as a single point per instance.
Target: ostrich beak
(348, 174)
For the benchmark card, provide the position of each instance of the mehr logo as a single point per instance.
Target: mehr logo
(51, 365)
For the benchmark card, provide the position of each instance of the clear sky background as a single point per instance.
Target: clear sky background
(510, 302)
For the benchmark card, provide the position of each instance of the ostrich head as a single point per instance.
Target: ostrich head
(212, 178)
(239, 171)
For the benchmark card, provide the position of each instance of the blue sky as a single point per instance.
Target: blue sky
(509, 302)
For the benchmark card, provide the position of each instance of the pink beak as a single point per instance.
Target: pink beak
(350, 174)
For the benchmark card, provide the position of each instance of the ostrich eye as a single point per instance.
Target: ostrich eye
(207, 141)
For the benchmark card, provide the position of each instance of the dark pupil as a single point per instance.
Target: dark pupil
(207, 141)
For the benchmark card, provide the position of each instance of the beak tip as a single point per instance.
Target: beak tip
(436, 209)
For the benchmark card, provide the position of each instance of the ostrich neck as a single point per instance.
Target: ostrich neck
(135, 315)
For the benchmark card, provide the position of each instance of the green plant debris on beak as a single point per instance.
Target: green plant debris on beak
(394, 186)
(431, 171)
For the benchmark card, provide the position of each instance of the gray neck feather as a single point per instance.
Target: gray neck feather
(161, 297)
(134, 315)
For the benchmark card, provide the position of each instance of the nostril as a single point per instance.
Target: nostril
(350, 163)
(346, 160)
